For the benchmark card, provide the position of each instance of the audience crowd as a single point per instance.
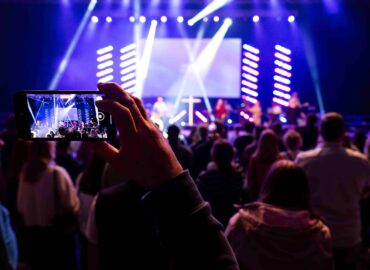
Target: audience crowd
(277, 197)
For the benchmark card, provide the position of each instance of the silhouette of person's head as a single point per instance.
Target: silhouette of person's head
(286, 186)
(222, 153)
(332, 127)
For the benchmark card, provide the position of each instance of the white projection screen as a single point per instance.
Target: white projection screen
(194, 67)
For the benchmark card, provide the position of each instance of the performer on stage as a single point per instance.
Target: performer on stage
(294, 110)
(256, 111)
(159, 108)
(159, 112)
(222, 109)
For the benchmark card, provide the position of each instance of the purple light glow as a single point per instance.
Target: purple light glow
(251, 56)
(282, 57)
(201, 116)
(283, 72)
(251, 70)
(280, 101)
(282, 87)
(250, 85)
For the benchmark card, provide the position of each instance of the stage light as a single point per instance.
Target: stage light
(216, 19)
(250, 77)
(128, 84)
(132, 19)
(201, 116)
(251, 56)
(282, 87)
(94, 19)
(76, 37)
(105, 50)
(104, 72)
(154, 21)
(177, 117)
(283, 119)
(282, 57)
(250, 63)
(210, 8)
(283, 65)
(280, 101)
(128, 48)
(283, 72)
(128, 63)
(250, 70)
(163, 19)
(108, 78)
(281, 94)
(205, 19)
(104, 57)
(127, 55)
(229, 121)
(281, 79)
(108, 19)
(250, 84)
(145, 59)
(128, 77)
(256, 18)
(180, 19)
(249, 92)
(142, 19)
(283, 49)
(105, 64)
(250, 99)
(128, 69)
(228, 21)
(291, 19)
(251, 49)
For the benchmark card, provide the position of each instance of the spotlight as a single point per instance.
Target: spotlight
(216, 19)
(205, 19)
(142, 19)
(256, 18)
(94, 19)
(228, 21)
(108, 19)
(163, 19)
(291, 19)
(132, 19)
(180, 19)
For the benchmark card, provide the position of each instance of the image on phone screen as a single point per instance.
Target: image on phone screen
(66, 116)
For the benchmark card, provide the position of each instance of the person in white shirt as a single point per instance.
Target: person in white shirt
(46, 191)
(337, 179)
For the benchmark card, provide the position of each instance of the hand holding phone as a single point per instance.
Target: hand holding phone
(62, 115)
(145, 155)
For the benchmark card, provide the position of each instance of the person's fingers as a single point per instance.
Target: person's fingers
(140, 106)
(114, 91)
(107, 152)
(122, 118)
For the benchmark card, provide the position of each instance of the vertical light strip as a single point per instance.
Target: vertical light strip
(105, 64)
(63, 64)
(282, 77)
(250, 73)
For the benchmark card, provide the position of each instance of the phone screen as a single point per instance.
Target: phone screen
(71, 116)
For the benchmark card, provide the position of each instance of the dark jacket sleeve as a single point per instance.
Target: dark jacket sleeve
(187, 229)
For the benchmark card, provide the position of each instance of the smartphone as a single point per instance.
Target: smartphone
(62, 115)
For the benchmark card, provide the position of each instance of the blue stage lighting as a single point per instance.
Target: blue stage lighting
(132, 19)
(291, 19)
(108, 19)
(256, 18)
(163, 19)
(180, 19)
(94, 19)
(142, 19)
(216, 19)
